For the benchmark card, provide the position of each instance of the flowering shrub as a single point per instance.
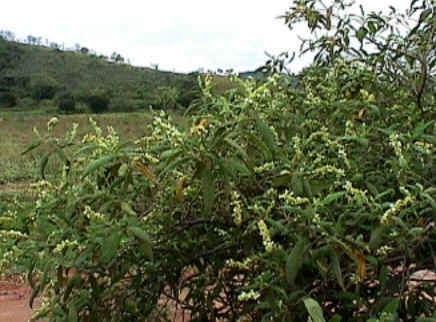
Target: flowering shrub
(276, 204)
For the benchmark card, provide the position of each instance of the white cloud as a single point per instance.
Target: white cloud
(177, 35)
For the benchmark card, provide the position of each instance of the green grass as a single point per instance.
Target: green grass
(16, 131)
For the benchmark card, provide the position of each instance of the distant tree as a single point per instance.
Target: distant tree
(117, 57)
(84, 50)
(166, 97)
(8, 35)
(67, 102)
(43, 87)
(97, 100)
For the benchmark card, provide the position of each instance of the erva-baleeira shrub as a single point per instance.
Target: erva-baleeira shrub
(276, 204)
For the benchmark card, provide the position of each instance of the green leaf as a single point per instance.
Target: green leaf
(372, 27)
(297, 184)
(334, 259)
(235, 164)
(32, 147)
(376, 236)
(110, 247)
(361, 33)
(127, 208)
(168, 154)
(208, 191)
(241, 152)
(86, 149)
(145, 245)
(314, 309)
(357, 139)
(72, 313)
(281, 180)
(295, 261)
(392, 306)
(430, 200)
(336, 318)
(267, 135)
(97, 164)
(333, 197)
(43, 164)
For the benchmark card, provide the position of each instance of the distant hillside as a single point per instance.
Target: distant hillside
(76, 73)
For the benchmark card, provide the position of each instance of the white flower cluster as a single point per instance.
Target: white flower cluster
(247, 296)
(354, 194)
(73, 133)
(290, 200)
(296, 140)
(237, 208)
(12, 234)
(424, 147)
(265, 167)
(329, 169)
(397, 207)
(8, 258)
(91, 214)
(240, 265)
(395, 142)
(344, 156)
(65, 244)
(349, 128)
(266, 237)
(110, 142)
(163, 130)
(52, 123)
(384, 250)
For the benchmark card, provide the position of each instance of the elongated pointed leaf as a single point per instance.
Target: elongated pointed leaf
(97, 164)
(145, 245)
(336, 266)
(32, 147)
(314, 309)
(295, 261)
(333, 197)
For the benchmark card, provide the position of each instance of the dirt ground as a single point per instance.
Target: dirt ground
(14, 301)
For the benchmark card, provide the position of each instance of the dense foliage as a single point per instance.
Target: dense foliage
(43, 87)
(67, 102)
(7, 99)
(278, 203)
(97, 100)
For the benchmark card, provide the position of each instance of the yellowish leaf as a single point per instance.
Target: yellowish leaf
(146, 171)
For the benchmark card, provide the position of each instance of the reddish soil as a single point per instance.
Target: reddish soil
(14, 301)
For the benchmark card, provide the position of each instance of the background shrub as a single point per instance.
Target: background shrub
(124, 104)
(98, 101)
(7, 99)
(27, 102)
(43, 87)
(67, 102)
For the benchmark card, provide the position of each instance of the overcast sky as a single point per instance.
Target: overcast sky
(179, 35)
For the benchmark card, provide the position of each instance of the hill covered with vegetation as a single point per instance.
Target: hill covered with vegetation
(32, 73)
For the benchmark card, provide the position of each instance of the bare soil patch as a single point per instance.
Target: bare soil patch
(14, 300)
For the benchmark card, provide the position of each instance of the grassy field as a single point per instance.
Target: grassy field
(16, 133)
